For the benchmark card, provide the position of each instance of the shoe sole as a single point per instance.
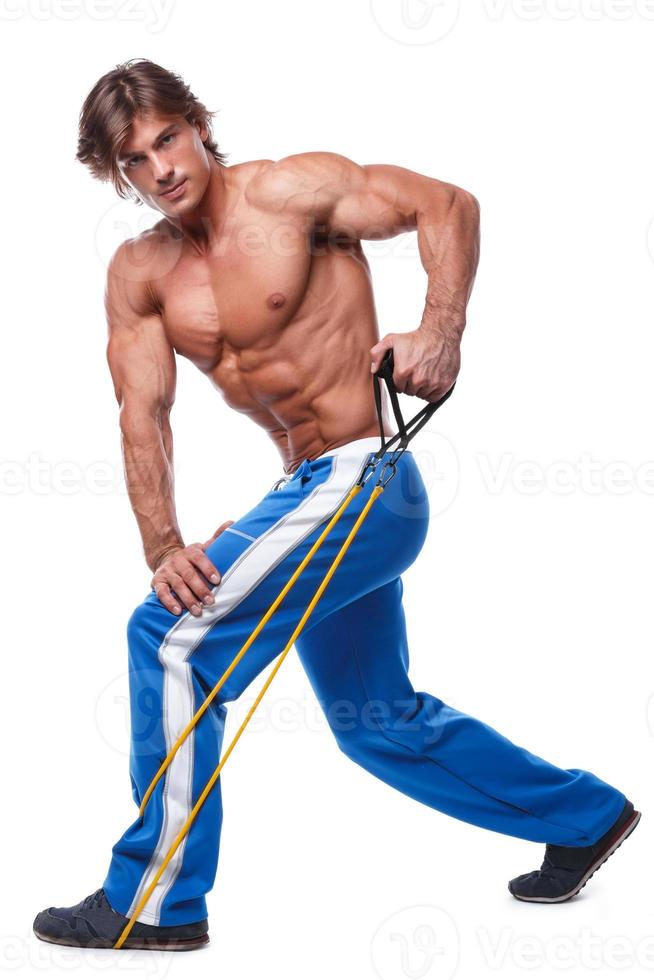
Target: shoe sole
(628, 828)
(133, 943)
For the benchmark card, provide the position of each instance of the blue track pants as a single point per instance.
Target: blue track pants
(354, 650)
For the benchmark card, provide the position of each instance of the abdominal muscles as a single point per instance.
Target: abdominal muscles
(295, 358)
(307, 381)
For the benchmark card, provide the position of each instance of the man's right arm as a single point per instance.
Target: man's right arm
(142, 364)
(143, 370)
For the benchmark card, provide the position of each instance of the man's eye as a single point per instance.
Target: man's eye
(170, 136)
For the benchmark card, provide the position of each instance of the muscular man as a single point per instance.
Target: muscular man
(256, 273)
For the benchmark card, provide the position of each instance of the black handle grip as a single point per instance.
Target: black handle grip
(386, 369)
(406, 430)
(387, 366)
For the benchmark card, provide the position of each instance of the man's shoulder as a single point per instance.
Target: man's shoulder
(145, 256)
(295, 180)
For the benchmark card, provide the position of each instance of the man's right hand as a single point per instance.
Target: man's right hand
(186, 571)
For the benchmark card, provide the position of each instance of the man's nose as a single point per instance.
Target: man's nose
(162, 169)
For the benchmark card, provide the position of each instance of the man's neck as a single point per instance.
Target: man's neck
(201, 226)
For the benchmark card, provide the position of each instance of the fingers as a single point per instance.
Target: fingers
(403, 382)
(419, 385)
(166, 598)
(217, 533)
(200, 560)
(379, 350)
(222, 528)
(177, 582)
(190, 589)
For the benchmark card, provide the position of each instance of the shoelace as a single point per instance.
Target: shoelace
(93, 901)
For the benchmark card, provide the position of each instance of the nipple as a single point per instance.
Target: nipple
(276, 300)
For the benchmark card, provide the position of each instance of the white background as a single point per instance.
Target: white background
(530, 604)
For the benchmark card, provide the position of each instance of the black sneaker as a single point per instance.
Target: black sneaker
(93, 922)
(565, 870)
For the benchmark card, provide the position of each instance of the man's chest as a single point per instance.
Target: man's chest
(247, 289)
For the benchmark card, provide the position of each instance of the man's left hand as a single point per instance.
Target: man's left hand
(425, 364)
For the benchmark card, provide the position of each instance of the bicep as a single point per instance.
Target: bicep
(383, 200)
(362, 201)
(141, 359)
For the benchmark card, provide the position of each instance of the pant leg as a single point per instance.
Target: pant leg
(357, 660)
(174, 661)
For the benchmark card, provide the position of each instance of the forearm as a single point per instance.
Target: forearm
(148, 463)
(448, 241)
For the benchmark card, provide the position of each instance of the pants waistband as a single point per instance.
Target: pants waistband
(357, 449)
(354, 449)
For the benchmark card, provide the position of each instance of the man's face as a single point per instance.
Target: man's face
(160, 154)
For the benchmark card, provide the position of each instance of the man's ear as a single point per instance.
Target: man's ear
(202, 129)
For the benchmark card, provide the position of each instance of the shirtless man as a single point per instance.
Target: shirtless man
(256, 274)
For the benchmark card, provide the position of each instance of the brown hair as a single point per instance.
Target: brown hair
(138, 85)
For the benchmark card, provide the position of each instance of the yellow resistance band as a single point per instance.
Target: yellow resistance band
(377, 490)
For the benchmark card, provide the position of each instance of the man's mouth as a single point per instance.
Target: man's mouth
(174, 190)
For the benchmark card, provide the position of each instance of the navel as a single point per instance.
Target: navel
(275, 300)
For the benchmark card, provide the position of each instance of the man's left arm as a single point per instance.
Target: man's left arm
(379, 201)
